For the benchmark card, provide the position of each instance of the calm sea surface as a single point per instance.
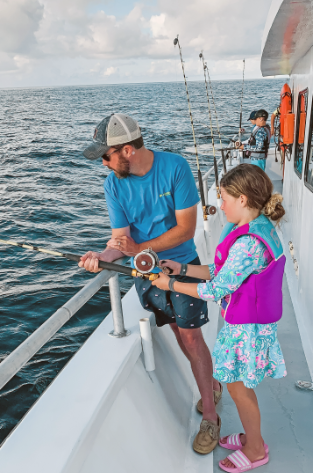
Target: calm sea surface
(53, 197)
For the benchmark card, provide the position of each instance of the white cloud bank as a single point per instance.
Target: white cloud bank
(52, 42)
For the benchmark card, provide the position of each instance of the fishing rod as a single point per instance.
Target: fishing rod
(205, 67)
(224, 161)
(217, 185)
(147, 260)
(207, 209)
(243, 82)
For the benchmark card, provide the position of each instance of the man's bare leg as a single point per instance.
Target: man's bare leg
(195, 349)
(176, 330)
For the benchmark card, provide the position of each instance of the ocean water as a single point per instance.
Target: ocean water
(53, 197)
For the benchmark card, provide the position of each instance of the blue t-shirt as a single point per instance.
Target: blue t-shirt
(147, 203)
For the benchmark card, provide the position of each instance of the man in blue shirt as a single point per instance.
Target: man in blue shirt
(152, 203)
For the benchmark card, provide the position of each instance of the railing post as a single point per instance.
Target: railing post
(119, 330)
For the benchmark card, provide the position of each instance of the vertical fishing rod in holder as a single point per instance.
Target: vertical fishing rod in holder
(240, 154)
(207, 209)
(205, 67)
(218, 194)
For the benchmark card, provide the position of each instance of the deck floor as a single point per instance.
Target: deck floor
(287, 412)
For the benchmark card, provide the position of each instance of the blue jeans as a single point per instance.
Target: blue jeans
(259, 162)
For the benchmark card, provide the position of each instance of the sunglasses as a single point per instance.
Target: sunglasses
(107, 157)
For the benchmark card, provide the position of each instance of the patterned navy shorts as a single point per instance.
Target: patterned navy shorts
(170, 307)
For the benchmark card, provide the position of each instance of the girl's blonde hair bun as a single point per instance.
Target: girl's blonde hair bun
(273, 207)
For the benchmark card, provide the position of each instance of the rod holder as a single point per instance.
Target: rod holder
(119, 330)
(147, 343)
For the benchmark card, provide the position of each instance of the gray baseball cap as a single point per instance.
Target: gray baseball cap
(117, 129)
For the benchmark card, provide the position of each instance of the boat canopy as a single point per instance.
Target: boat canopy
(288, 35)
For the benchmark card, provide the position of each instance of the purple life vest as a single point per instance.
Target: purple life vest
(259, 299)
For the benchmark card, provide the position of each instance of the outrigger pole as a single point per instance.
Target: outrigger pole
(243, 82)
(72, 257)
(207, 209)
(205, 67)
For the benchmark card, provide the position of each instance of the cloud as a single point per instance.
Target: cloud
(36, 34)
(19, 22)
(110, 71)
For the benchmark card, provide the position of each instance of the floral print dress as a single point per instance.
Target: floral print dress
(243, 352)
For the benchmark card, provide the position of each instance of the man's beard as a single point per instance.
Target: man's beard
(123, 168)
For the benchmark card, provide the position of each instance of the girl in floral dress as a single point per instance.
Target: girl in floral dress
(247, 278)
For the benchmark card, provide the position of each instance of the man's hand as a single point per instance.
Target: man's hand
(125, 244)
(90, 261)
(173, 265)
(162, 282)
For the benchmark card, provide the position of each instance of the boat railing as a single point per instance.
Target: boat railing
(26, 350)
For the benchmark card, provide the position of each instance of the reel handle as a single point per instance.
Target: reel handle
(167, 270)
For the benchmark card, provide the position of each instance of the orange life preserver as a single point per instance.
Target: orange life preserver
(287, 118)
(289, 128)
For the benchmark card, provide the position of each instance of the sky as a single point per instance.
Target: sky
(85, 42)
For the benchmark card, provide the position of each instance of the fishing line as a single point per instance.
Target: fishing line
(215, 111)
(118, 268)
(219, 134)
(207, 209)
(204, 64)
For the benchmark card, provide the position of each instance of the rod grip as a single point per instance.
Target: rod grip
(72, 257)
(201, 188)
(103, 264)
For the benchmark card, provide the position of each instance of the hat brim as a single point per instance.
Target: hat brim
(95, 151)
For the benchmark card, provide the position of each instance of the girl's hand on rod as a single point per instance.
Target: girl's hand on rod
(162, 282)
(173, 265)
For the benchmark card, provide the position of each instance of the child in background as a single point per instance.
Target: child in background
(259, 141)
(247, 277)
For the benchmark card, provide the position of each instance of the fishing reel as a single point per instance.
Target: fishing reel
(147, 260)
(209, 210)
(238, 144)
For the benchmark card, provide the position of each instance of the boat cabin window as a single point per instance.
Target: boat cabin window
(301, 121)
(308, 174)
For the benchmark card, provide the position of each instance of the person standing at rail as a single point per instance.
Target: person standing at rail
(251, 119)
(152, 202)
(247, 277)
(259, 140)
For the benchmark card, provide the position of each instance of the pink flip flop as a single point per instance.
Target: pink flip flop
(233, 442)
(242, 463)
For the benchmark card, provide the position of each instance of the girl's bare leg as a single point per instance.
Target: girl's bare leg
(249, 413)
